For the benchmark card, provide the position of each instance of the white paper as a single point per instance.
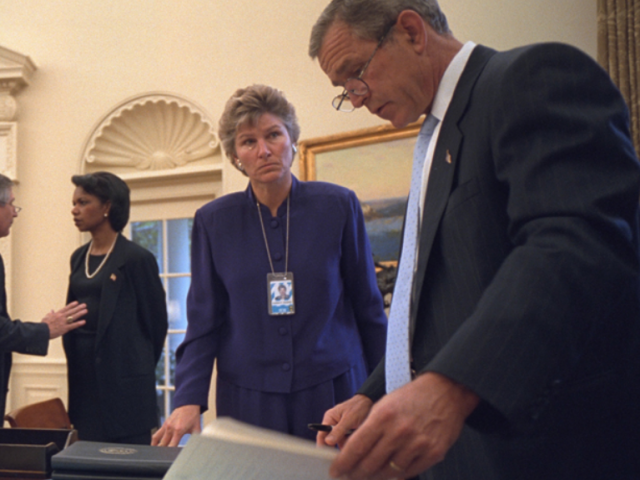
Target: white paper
(228, 449)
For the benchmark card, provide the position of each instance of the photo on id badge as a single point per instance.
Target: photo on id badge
(281, 296)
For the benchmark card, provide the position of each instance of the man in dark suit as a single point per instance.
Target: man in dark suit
(523, 317)
(26, 337)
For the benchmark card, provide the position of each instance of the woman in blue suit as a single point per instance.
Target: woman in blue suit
(279, 363)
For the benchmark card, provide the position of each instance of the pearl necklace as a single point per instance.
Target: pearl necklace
(104, 260)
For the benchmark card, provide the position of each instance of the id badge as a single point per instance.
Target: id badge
(280, 293)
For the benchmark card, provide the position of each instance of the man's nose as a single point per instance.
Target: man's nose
(358, 100)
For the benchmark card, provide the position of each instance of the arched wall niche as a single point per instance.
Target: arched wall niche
(151, 132)
(163, 145)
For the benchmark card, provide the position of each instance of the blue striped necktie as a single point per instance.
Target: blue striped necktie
(397, 363)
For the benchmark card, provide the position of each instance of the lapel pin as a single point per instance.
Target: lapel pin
(113, 277)
(448, 157)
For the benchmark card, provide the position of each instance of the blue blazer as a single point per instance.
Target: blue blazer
(339, 319)
(528, 272)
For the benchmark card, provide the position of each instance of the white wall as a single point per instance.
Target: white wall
(504, 24)
(92, 55)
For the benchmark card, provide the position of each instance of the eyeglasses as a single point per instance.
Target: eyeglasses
(355, 86)
(15, 207)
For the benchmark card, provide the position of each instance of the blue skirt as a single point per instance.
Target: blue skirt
(287, 412)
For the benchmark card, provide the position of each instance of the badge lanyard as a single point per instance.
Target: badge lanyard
(279, 285)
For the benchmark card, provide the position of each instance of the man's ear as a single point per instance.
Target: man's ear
(412, 27)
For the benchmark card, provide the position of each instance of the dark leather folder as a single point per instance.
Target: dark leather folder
(110, 461)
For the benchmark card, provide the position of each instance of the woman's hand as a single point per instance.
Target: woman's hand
(183, 420)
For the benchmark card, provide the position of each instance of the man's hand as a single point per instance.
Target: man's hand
(407, 431)
(344, 417)
(65, 319)
(183, 420)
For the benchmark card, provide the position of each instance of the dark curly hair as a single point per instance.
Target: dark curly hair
(108, 188)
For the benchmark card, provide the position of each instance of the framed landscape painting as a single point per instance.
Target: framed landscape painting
(376, 164)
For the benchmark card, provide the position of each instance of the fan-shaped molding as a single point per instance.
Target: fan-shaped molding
(155, 131)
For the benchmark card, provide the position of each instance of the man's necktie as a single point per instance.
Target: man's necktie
(397, 363)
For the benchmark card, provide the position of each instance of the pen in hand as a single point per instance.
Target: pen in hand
(322, 427)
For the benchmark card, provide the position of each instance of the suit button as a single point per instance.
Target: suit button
(286, 367)
(275, 223)
(283, 331)
(98, 360)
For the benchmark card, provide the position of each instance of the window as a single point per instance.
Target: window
(170, 243)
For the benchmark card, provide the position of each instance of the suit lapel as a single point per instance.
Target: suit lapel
(111, 287)
(443, 167)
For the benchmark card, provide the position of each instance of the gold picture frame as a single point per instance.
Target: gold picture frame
(309, 149)
(376, 164)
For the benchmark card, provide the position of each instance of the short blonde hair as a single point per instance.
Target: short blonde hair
(246, 106)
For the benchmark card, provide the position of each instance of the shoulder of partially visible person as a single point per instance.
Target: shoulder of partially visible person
(541, 49)
(547, 59)
(556, 92)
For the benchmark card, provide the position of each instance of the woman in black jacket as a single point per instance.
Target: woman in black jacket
(112, 359)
